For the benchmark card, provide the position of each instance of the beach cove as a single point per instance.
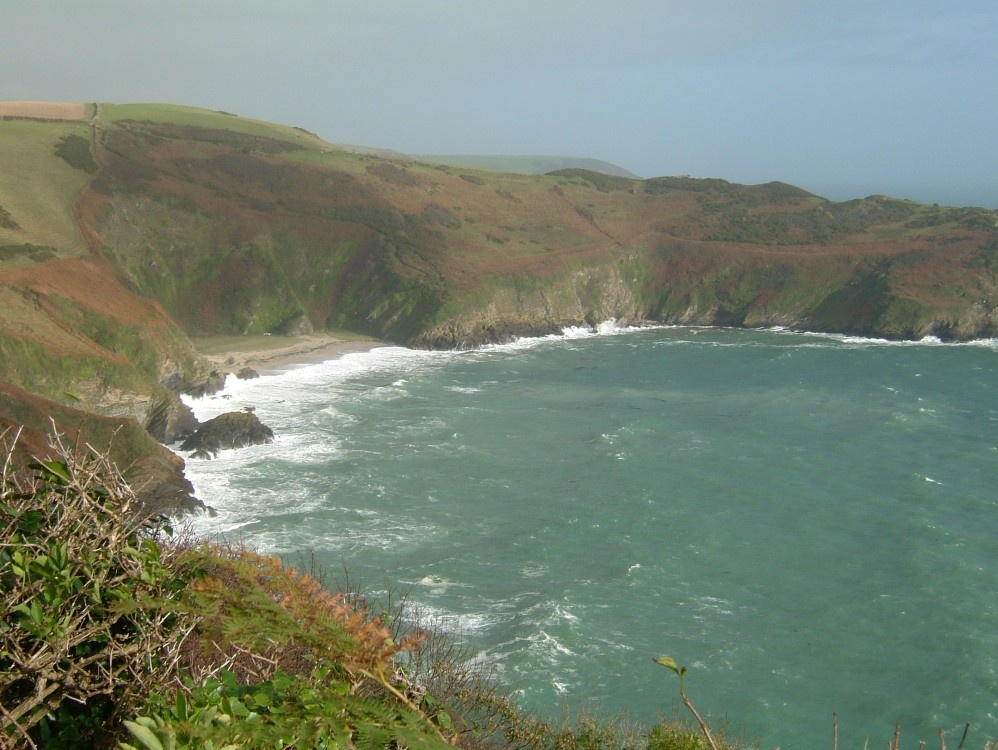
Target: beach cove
(269, 352)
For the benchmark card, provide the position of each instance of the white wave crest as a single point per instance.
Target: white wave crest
(862, 341)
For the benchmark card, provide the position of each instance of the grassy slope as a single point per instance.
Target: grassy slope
(37, 189)
(67, 325)
(203, 118)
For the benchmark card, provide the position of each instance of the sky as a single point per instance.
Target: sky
(846, 98)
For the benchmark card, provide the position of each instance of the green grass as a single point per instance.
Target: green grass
(30, 366)
(173, 114)
(37, 188)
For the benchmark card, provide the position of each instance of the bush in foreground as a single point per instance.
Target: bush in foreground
(88, 628)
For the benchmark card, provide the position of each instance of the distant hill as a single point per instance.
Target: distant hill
(527, 164)
(126, 230)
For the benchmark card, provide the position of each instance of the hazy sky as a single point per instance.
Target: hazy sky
(843, 97)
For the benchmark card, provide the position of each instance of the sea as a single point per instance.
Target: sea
(807, 522)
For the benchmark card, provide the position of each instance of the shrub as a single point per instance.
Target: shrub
(6, 220)
(277, 660)
(87, 628)
(37, 253)
(319, 711)
(75, 151)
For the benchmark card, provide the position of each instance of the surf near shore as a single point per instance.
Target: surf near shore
(266, 352)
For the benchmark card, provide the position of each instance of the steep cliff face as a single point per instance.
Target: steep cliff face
(520, 307)
(863, 293)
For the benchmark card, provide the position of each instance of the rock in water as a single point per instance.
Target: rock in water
(234, 429)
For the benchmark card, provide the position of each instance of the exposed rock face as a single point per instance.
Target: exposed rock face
(162, 414)
(159, 482)
(299, 325)
(235, 429)
(211, 383)
(169, 420)
(584, 297)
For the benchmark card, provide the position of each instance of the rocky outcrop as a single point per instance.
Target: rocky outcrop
(169, 420)
(154, 472)
(163, 415)
(211, 382)
(236, 429)
(159, 483)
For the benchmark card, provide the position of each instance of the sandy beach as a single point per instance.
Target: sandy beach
(263, 353)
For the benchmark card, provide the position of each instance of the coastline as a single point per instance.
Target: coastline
(268, 353)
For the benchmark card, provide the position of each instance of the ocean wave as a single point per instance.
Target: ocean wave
(534, 570)
(438, 585)
(456, 624)
(463, 389)
(853, 340)
(609, 327)
(312, 383)
(277, 535)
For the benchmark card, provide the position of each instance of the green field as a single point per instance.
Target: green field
(37, 188)
(205, 118)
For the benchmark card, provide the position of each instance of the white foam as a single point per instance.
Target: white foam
(549, 644)
(609, 327)
(438, 585)
(576, 332)
(463, 389)
(456, 623)
(534, 570)
(312, 382)
(863, 341)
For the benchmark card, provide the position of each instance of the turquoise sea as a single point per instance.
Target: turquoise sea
(808, 522)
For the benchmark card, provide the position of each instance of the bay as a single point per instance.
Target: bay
(805, 521)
